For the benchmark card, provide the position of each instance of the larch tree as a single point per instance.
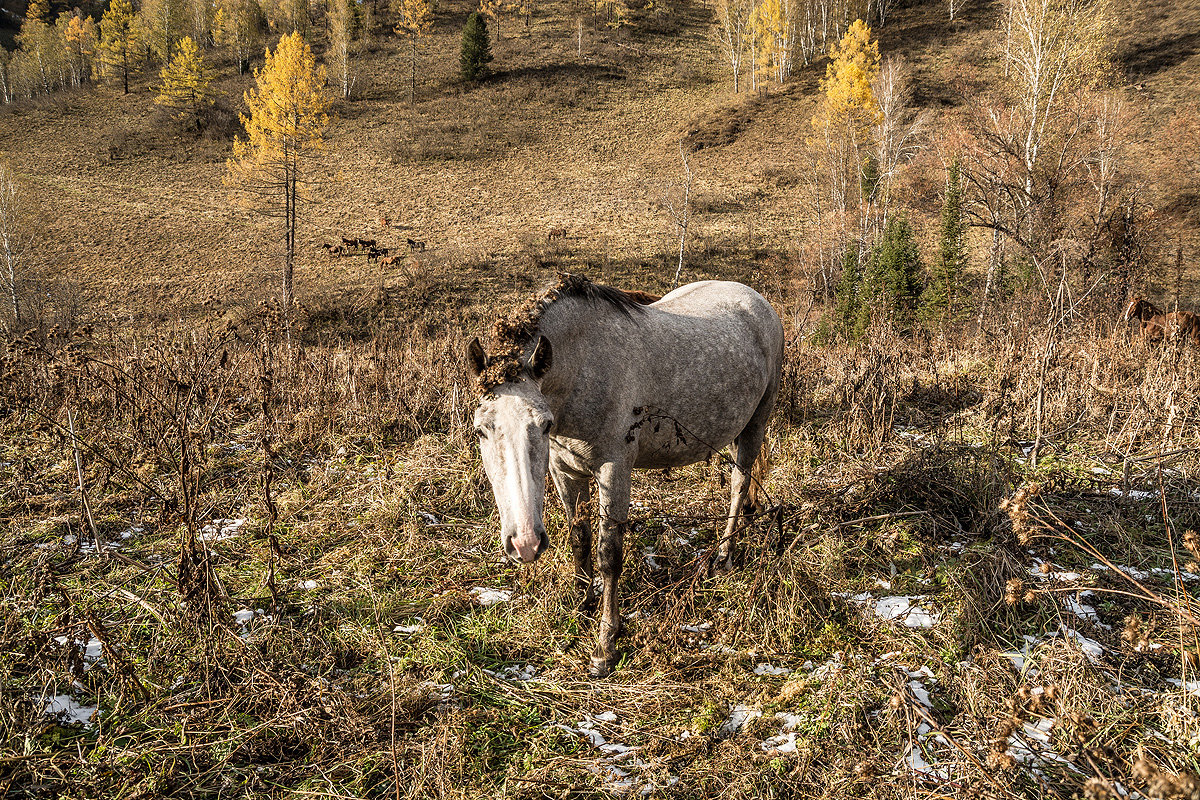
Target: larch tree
(186, 82)
(120, 39)
(493, 10)
(414, 21)
(285, 127)
(162, 24)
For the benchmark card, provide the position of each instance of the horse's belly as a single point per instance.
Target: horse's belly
(663, 443)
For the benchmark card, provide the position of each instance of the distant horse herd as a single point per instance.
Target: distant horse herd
(370, 248)
(1157, 326)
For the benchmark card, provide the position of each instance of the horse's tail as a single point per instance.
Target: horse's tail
(758, 476)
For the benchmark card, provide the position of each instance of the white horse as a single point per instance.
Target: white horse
(586, 381)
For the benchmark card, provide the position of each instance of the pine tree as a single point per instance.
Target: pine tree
(415, 20)
(476, 49)
(950, 262)
(186, 81)
(120, 39)
(850, 313)
(893, 276)
(289, 112)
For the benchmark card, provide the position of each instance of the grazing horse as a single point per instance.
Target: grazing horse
(587, 382)
(365, 244)
(414, 245)
(384, 222)
(375, 252)
(1157, 326)
(349, 242)
(556, 233)
(388, 261)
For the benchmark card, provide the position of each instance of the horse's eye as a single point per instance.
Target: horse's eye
(480, 433)
(546, 426)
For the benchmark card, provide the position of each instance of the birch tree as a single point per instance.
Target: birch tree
(415, 19)
(732, 31)
(16, 237)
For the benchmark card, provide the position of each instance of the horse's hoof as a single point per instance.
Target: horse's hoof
(600, 668)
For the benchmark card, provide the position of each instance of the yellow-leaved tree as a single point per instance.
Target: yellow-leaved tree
(414, 19)
(846, 115)
(186, 81)
(120, 39)
(289, 112)
(848, 97)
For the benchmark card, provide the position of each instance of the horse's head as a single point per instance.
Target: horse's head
(1139, 308)
(513, 424)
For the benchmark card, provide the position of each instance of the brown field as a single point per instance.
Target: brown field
(299, 542)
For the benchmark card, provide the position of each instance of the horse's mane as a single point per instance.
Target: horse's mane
(512, 333)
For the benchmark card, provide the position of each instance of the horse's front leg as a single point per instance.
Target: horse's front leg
(575, 493)
(613, 487)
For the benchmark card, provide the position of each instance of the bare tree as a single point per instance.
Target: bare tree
(16, 237)
(679, 197)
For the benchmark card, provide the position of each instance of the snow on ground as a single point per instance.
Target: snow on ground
(763, 668)
(739, 715)
(220, 529)
(618, 764)
(490, 597)
(900, 608)
(69, 710)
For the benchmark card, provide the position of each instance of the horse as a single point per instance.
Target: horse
(365, 244)
(414, 245)
(388, 261)
(375, 252)
(349, 242)
(1157, 326)
(556, 233)
(384, 222)
(588, 383)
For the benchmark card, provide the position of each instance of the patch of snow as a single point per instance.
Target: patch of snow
(427, 518)
(739, 715)
(1090, 647)
(221, 529)
(701, 628)
(1133, 494)
(68, 710)
(1082, 610)
(408, 630)
(900, 608)
(914, 762)
(763, 668)
(490, 597)
(921, 693)
(1051, 574)
(93, 650)
(651, 557)
(243, 616)
(310, 584)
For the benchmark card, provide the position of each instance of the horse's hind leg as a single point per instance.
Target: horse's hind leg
(746, 448)
(576, 494)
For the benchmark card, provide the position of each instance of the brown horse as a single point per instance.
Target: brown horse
(556, 233)
(1157, 326)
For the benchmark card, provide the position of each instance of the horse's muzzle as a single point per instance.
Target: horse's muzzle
(525, 548)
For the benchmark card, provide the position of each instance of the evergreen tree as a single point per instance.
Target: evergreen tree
(893, 274)
(851, 315)
(186, 81)
(476, 49)
(950, 262)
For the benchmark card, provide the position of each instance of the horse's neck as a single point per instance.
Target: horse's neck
(576, 330)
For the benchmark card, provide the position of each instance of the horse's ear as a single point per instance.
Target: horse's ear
(476, 357)
(542, 358)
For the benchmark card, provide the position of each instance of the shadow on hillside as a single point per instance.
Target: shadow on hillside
(551, 73)
(1148, 58)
